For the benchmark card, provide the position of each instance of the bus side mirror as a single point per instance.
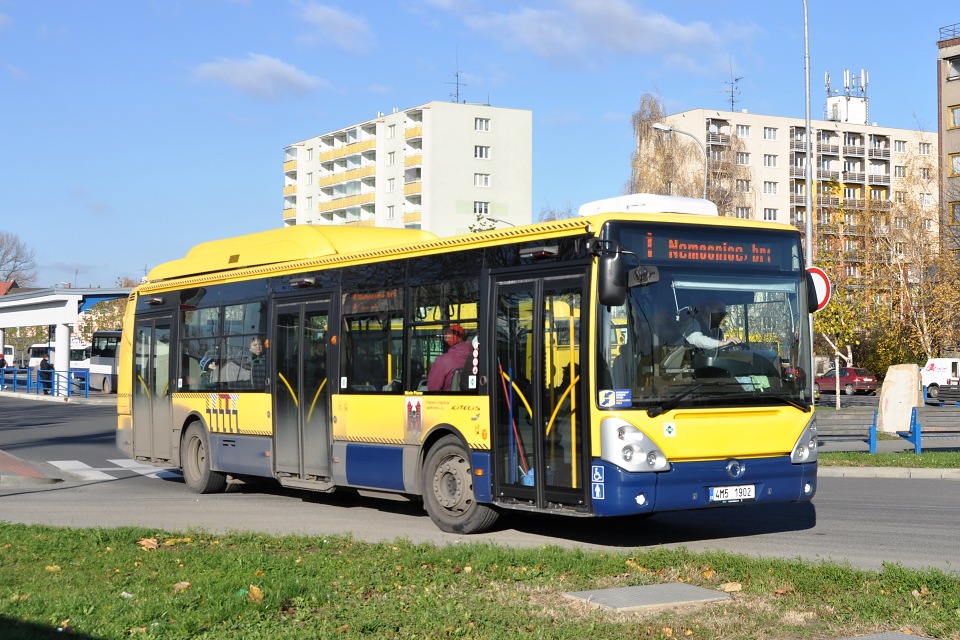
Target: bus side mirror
(611, 279)
(812, 301)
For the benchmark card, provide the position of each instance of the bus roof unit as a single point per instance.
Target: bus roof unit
(300, 242)
(649, 203)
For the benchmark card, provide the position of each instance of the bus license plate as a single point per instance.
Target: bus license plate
(736, 492)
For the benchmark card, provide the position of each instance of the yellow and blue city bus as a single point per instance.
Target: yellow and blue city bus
(302, 354)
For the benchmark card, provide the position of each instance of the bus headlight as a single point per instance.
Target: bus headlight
(624, 445)
(805, 449)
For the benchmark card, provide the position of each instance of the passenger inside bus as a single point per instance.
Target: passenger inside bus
(441, 374)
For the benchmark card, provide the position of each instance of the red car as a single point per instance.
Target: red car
(852, 380)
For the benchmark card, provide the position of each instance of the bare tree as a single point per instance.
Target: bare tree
(17, 260)
(549, 214)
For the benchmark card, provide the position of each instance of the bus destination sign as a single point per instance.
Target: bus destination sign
(671, 248)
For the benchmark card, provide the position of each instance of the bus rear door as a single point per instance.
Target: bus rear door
(152, 430)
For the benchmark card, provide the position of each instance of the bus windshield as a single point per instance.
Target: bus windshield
(719, 324)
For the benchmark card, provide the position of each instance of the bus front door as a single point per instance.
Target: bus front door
(152, 429)
(541, 436)
(302, 433)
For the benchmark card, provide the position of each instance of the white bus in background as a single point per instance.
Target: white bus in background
(103, 360)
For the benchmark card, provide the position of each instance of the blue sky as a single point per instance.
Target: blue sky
(132, 130)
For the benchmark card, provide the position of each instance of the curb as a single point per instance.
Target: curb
(14, 472)
(888, 472)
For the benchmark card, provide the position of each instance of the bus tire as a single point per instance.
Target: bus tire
(106, 387)
(448, 495)
(195, 461)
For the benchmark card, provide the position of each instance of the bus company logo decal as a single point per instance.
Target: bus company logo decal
(614, 398)
(735, 469)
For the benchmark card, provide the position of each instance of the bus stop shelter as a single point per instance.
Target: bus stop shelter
(58, 307)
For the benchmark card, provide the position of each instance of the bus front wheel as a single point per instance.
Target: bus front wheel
(195, 461)
(448, 494)
(106, 387)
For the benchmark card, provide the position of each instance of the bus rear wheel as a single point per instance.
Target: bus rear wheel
(195, 461)
(106, 387)
(448, 494)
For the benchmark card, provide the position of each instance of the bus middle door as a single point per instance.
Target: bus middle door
(300, 388)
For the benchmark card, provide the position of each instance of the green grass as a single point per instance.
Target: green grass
(925, 460)
(136, 583)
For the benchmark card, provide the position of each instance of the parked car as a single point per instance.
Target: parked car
(852, 380)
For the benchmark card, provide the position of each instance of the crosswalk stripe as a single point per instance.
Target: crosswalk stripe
(86, 472)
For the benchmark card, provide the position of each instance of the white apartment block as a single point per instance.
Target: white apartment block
(854, 162)
(432, 167)
(948, 120)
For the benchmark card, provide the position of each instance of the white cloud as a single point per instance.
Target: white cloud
(260, 76)
(584, 31)
(337, 27)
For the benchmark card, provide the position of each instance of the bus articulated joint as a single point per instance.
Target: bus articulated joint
(626, 446)
(805, 449)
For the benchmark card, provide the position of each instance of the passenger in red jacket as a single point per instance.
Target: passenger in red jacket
(440, 376)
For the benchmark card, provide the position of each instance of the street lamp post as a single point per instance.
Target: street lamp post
(663, 128)
(500, 220)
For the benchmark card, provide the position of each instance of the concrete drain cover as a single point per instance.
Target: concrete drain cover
(649, 597)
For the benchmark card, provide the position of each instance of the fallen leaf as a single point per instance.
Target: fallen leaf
(149, 543)
(731, 587)
(255, 593)
(183, 585)
(781, 592)
(52, 568)
(709, 573)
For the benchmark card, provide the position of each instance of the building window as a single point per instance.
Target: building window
(925, 148)
(391, 158)
(391, 131)
(310, 154)
(953, 120)
(955, 213)
(925, 173)
(769, 133)
(954, 164)
(481, 208)
(743, 158)
(900, 197)
(481, 152)
(953, 68)
(481, 124)
(309, 203)
(481, 179)
(928, 224)
(391, 184)
(743, 130)
(743, 186)
(310, 178)
(851, 193)
(900, 146)
(743, 212)
(769, 160)
(899, 223)
(770, 188)
(391, 211)
(900, 171)
(852, 271)
(769, 214)
(926, 199)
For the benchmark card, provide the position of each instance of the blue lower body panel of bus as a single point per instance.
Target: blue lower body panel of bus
(699, 485)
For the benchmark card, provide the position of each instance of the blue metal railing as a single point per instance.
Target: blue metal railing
(55, 383)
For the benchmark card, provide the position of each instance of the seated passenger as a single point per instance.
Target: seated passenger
(440, 377)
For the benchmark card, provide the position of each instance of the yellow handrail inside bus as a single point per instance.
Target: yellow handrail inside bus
(315, 397)
(519, 393)
(289, 388)
(143, 383)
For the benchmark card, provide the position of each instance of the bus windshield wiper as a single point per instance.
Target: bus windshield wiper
(673, 401)
(793, 402)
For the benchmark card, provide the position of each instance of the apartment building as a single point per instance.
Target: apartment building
(860, 167)
(948, 119)
(434, 167)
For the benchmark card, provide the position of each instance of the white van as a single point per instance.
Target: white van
(939, 372)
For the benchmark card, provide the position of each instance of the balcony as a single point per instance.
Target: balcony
(852, 150)
(880, 178)
(854, 176)
(826, 174)
(854, 203)
(289, 165)
(347, 201)
(798, 199)
(879, 153)
(798, 172)
(413, 160)
(348, 150)
(828, 149)
(826, 228)
(412, 216)
(413, 132)
(412, 188)
(290, 213)
(346, 176)
(798, 145)
(718, 138)
(289, 189)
